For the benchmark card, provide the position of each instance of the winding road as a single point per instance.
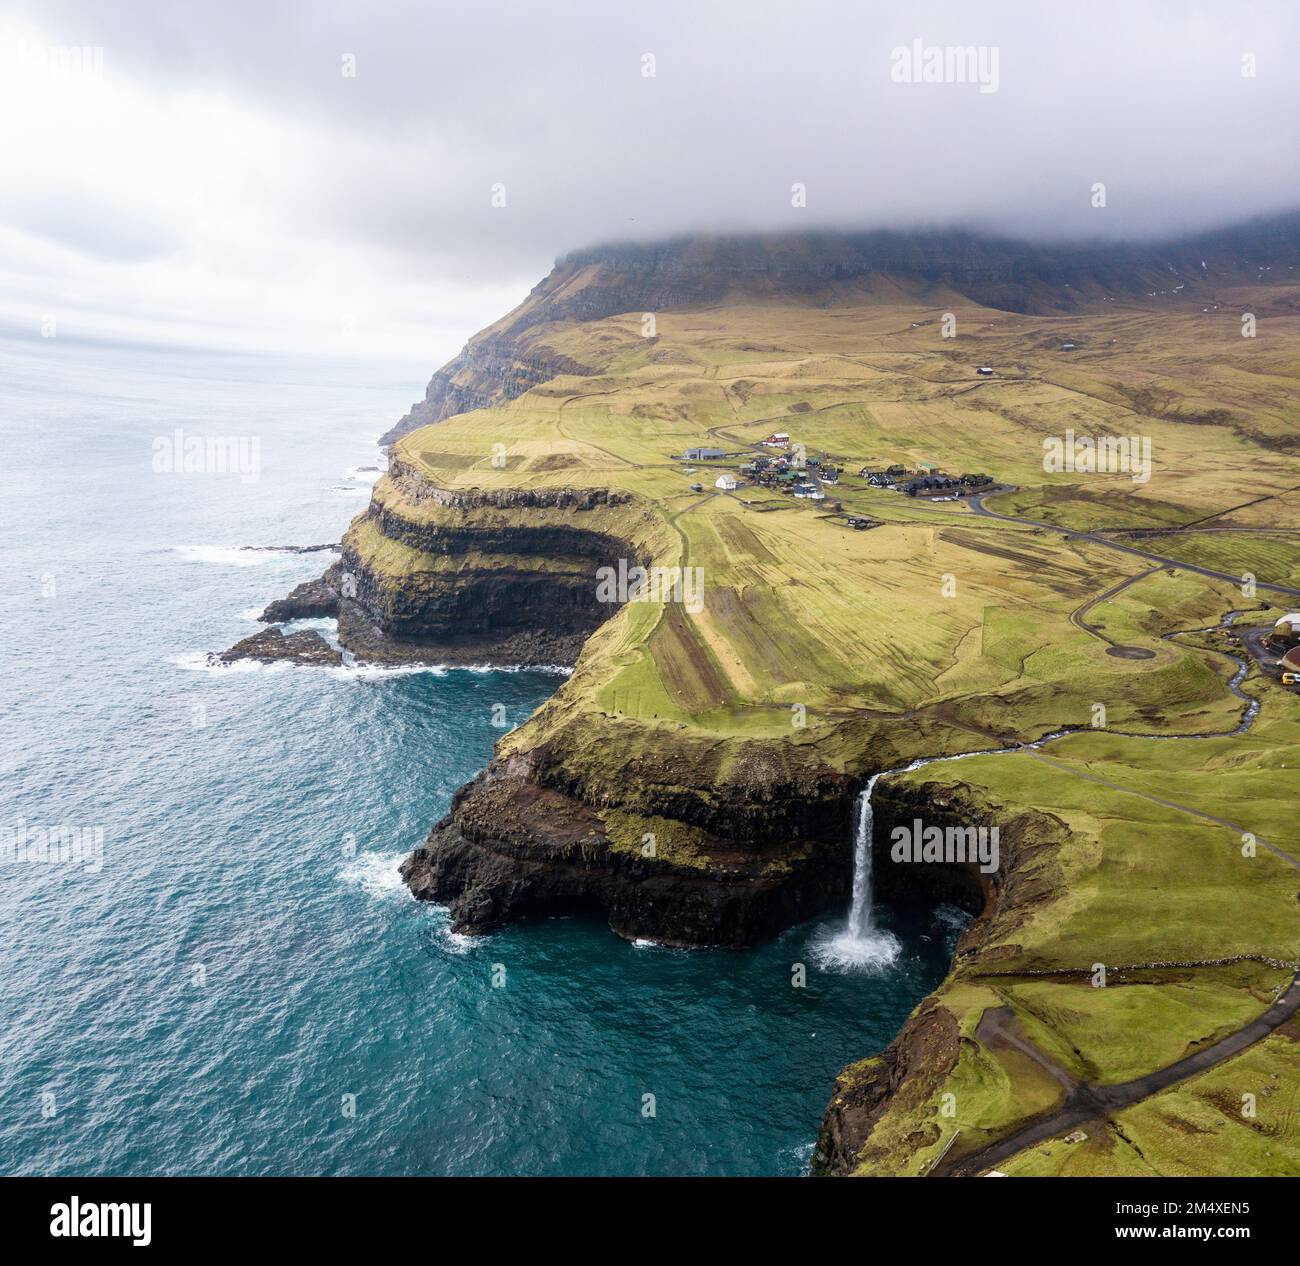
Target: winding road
(1087, 1102)
(976, 503)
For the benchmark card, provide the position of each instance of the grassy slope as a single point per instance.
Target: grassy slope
(855, 627)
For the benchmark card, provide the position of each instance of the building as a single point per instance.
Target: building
(726, 482)
(778, 439)
(704, 454)
(930, 486)
(878, 478)
(1287, 629)
(1291, 661)
(986, 370)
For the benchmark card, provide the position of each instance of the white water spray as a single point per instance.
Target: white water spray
(860, 946)
(860, 908)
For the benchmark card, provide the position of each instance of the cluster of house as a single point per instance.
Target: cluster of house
(927, 481)
(806, 477)
(800, 478)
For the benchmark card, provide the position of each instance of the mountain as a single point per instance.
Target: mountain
(513, 354)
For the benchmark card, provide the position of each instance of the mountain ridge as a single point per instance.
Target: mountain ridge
(511, 356)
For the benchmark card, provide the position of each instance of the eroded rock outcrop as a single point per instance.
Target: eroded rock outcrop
(479, 576)
(512, 846)
(272, 645)
(311, 600)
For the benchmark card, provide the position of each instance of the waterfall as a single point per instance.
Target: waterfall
(861, 946)
(860, 908)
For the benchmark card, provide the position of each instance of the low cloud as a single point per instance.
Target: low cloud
(235, 151)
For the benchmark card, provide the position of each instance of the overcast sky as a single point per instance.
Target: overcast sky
(223, 182)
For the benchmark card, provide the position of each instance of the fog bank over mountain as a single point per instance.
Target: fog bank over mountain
(390, 178)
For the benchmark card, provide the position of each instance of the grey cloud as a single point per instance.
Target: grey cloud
(747, 99)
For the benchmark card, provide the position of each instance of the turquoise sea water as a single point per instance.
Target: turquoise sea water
(246, 959)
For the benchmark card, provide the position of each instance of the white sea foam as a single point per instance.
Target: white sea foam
(363, 476)
(363, 672)
(226, 555)
(198, 661)
(952, 918)
(457, 942)
(377, 875)
(319, 624)
(241, 555)
(378, 672)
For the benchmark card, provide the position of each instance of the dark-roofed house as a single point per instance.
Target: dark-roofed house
(929, 486)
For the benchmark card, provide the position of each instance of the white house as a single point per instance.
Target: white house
(1288, 627)
(726, 482)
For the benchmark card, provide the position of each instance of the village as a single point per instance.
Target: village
(786, 467)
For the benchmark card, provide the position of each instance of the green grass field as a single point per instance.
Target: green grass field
(941, 631)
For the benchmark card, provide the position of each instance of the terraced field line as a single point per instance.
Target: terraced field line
(1280, 853)
(976, 503)
(1233, 509)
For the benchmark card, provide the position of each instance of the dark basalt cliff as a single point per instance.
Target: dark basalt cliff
(675, 838)
(492, 582)
(745, 837)
(513, 845)
(508, 358)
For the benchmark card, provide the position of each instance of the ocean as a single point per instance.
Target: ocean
(216, 969)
